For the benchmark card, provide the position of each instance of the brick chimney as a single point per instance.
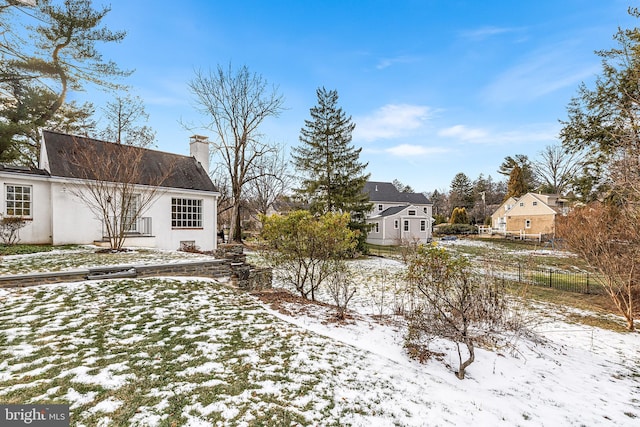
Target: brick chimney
(199, 148)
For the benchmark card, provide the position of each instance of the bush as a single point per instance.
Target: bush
(459, 216)
(305, 247)
(460, 305)
(455, 229)
(9, 229)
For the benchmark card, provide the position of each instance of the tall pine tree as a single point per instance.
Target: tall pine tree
(517, 185)
(333, 176)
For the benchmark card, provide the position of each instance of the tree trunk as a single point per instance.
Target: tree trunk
(236, 235)
(469, 361)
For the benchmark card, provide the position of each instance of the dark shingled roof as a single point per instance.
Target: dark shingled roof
(185, 172)
(22, 169)
(392, 210)
(387, 192)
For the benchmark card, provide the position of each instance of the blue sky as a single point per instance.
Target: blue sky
(435, 87)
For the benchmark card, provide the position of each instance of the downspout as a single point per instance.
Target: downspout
(44, 164)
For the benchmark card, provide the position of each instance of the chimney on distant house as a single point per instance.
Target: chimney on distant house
(199, 148)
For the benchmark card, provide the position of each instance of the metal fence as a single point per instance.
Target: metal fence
(580, 282)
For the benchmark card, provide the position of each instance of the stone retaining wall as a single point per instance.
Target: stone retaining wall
(242, 275)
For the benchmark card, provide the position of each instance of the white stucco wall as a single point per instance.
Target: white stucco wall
(72, 220)
(168, 237)
(60, 217)
(38, 227)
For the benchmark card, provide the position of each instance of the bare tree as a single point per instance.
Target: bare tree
(607, 236)
(125, 116)
(273, 179)
(225, 202)
(237, 102)
(462, 306)
(556, 168)
(111, 187)
(341, 287)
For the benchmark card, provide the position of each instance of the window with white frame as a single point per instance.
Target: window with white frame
(132, 213)
(535, 203)
(412, 213)
(521, 204)
(186, 213)
(376, 227)
(527, 223)
(406, 225)
(380, 207)
(396, 224)
(18, 200)
(423, 225)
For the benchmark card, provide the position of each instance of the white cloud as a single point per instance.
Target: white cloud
(463, 132)
(485, 32)
(541, 73)
(530, 133)
(391, 121)
(387, 62)
(410, 150)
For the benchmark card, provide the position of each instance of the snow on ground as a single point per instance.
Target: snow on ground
(541, 250)
(86, 257)
(195, 352)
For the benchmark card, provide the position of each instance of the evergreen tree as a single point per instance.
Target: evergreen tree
(47, 49)
(459, 216)
(333, 176)
(461, 194)
(517, 185)
(526, 169)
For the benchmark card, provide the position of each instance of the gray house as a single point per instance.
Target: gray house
(397, 217)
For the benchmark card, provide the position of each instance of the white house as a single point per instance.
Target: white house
(183, 211)
(397, 217)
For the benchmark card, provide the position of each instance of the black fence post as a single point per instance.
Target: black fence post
(519, 272)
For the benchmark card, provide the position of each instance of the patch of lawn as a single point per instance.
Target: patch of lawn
(30, 249)
(170, 352)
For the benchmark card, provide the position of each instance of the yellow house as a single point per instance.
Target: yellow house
(528, 216)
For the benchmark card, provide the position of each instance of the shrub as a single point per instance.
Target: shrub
(9, 229)
(305, 247)
(460, 305)
(459, 216)
(455, 229)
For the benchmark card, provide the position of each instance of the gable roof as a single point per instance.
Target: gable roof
(394, 210)
(387, 192)
(176, 171)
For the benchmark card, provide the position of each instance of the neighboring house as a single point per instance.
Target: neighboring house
(530, 215)
(182, 213)
(499, 217)
(397, 217)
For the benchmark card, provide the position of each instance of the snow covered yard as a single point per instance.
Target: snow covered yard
(86, 256)
(195, 352)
